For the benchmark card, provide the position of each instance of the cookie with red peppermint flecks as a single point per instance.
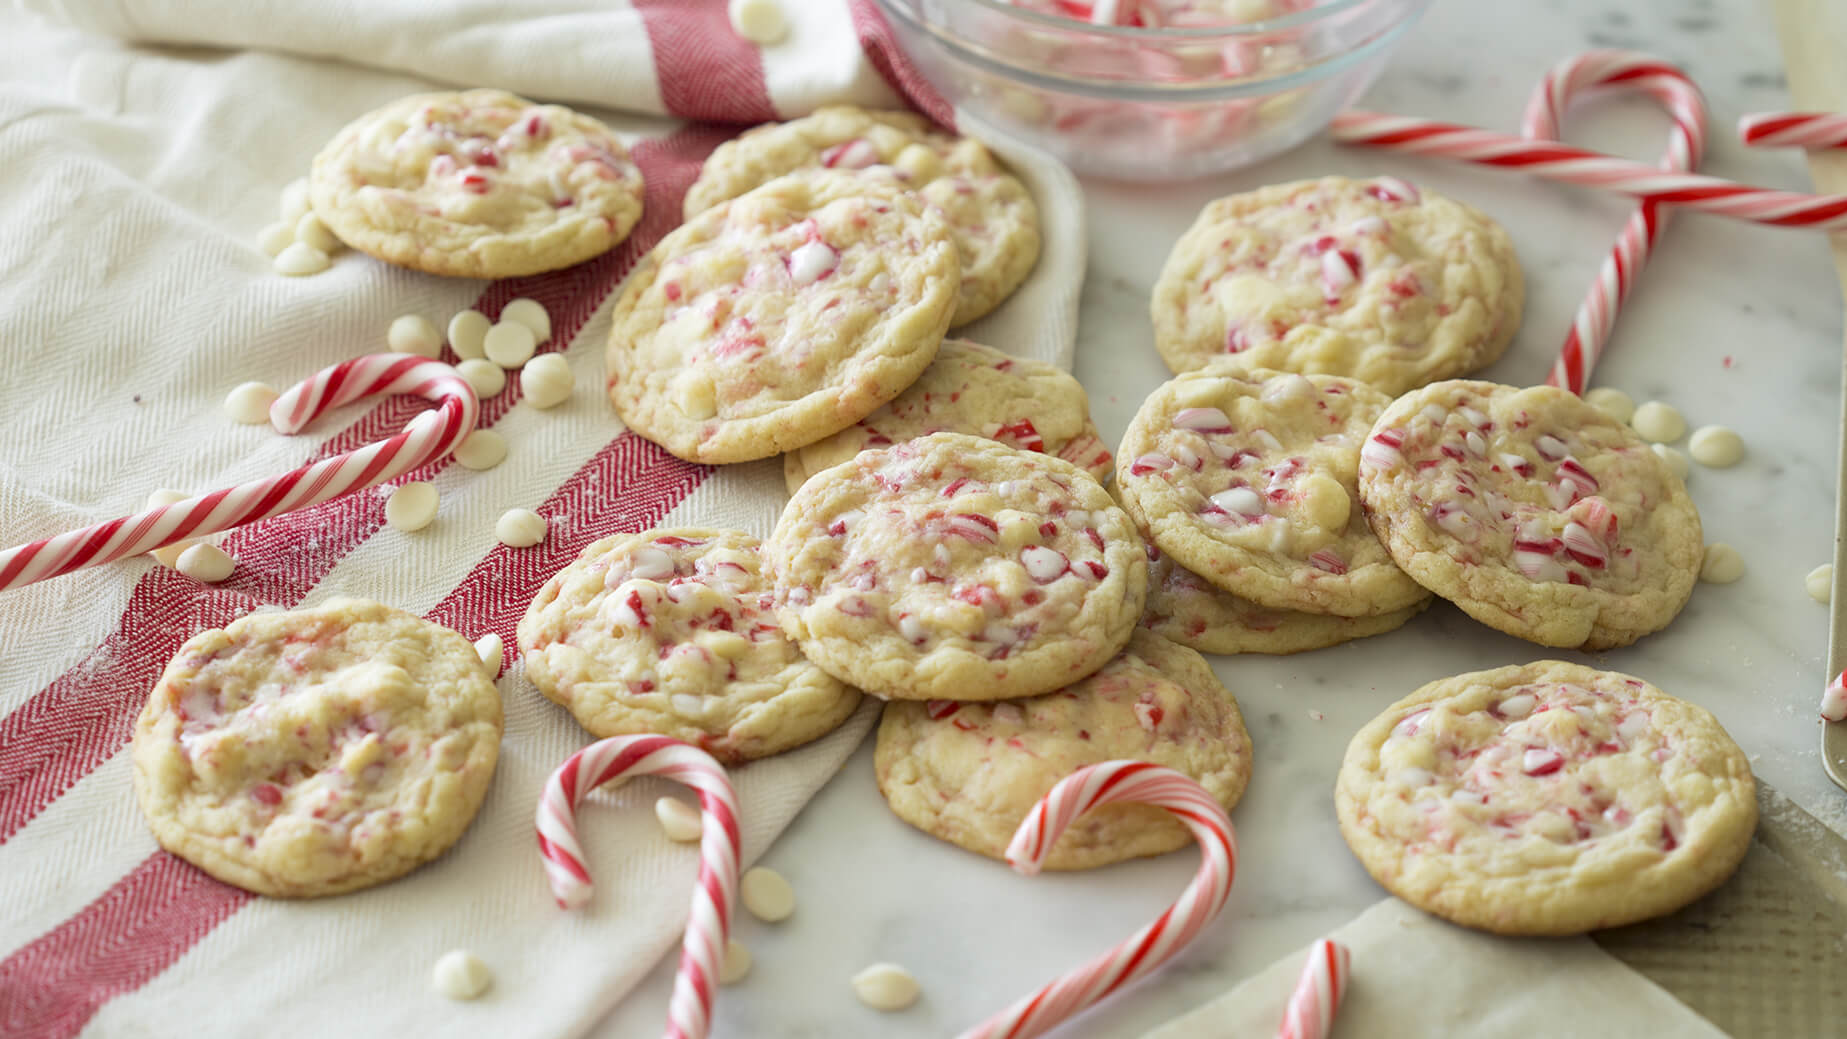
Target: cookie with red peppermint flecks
(1371, 279)
(1184, 608)
(1534, 512)
(1546, 798)
(1246, 478)
(780, 317)
(477, 184)
(969, 773)
(995, 222)
(955, 567)
(671, 632)
(317, 751)
(974, 389)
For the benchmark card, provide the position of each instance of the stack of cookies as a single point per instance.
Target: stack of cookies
(821, 263)
(992, 596)
(1295, 313)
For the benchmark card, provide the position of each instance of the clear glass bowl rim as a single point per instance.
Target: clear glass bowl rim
(1332, 65)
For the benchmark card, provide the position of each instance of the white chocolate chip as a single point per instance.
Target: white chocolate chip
(695, 395)
(166, 496)
(411, 506)
(1241, 500)
(492, 652)
(1820, 582)
(767, 895)
(812, 261)
(1612, 402)
(1716, 447)
(460, 974)
(886, 986)
(414, 334)
(248, 402)
(680, 820)
(547, 381)
(300, 259)
(736, 963)
(520, 528)
(1722, 564)
(759, 21)
(487, 378)
(482, 449)
(310, 231)
(919, 162)
(1043, 564)
(275, 238)
(1676, 461)
(468, 333)
(1658, 422)
(205, 562)
(509, 344)
(294, 203)
(532, 314)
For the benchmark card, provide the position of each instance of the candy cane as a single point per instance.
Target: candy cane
(1118, 782)
(1814, 130)
(429, 436)
(1590, 329)
(689, 1014)
(1318, 992)
(1570, 165)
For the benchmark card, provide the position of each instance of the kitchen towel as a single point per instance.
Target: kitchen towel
(143, 144)
(1415, 976)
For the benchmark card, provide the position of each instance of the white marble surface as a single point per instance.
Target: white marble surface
(1733, 324)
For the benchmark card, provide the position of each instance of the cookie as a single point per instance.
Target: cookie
(670, 632)
(1247, 479)
(1546, 798)
(954, 567)
(969, 773)
(781, 317)
(477, 184)
(1370, 279)
(992, 215)
(974, 389)
(317, 751)
(1186, 609)
(1532, 510)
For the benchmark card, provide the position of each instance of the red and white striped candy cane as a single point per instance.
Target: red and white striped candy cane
(1813, 130)
(689, 1015)
(1568, 165)
(1119, 782)
(1318, 992)
(430, 435)
(1601, 71)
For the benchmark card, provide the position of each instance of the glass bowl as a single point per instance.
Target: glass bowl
(1151, 104)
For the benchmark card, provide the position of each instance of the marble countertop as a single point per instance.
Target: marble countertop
(1733, 324)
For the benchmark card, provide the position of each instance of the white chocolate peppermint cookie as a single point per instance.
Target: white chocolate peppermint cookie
(1532, 510)
(979, 390)
(317, 751)
(1185, 608)
(992, 215)
(954, 567)
(969, 773)
(670, 632)
(1546, 798)
(480, 184)
(1370, 279)
(1247, 479)
(781, 317)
